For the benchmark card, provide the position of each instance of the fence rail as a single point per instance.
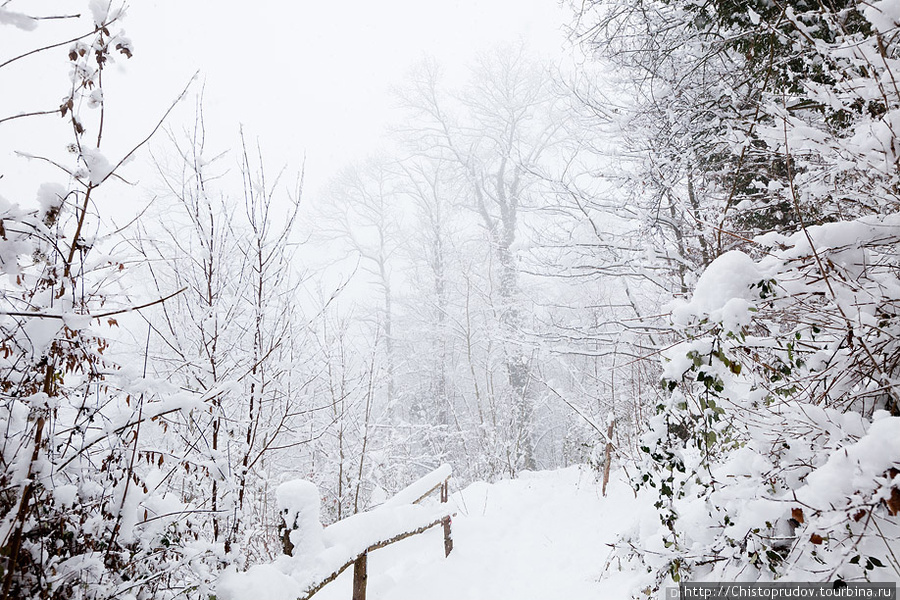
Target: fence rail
(413, 494)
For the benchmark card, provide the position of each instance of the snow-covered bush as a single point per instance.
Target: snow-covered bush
(79, 517)
(770, 128)
(777, 452)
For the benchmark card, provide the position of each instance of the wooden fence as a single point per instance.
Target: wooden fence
(437, 480)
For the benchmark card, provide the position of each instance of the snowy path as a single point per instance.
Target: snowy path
(542, 536)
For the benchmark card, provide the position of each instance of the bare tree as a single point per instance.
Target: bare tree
(498, 133)
(231, 337)
(364, 212)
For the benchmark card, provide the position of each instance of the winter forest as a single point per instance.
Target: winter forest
(644, 302)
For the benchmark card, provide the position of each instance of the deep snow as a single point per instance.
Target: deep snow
(542, 536)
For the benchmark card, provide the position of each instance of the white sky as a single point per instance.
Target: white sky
(305, 77)
(314, 76)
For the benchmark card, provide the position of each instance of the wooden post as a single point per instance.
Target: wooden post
(360, 577)
(445, 522)
(286, 545)
(608, 456)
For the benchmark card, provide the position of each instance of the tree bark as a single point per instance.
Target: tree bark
(360, 577)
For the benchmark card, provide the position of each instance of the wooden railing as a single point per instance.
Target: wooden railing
(413, 494)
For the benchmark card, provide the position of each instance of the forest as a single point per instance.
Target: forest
(673, 265)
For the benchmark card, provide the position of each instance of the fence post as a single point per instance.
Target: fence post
(608, 455)
(445, 522)
(360, 577)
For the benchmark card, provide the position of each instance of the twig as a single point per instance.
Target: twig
(155, 129)
(99, 316)
(31, 114)
(50, 47)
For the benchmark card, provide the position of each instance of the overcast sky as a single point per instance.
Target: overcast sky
(314, 76)
(305, 77)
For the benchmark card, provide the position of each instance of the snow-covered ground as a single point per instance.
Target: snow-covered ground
(541, 536)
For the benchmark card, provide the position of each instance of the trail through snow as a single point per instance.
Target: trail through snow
(541, 536)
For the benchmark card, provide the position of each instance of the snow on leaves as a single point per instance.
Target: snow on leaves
(778, 448)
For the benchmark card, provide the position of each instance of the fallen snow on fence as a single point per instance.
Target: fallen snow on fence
(319, 553)
(541, 536)
(421, 488)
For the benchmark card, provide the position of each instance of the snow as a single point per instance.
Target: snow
(754, 16)
(98, 166)
(884, 15)
(260, 581)
(854, 468)
(8, 17)
(96, 98)
(415, 491)
(543, 535)
(833, 235)
(298, 504)
(41, 333)
(99, 10)
(65, 495)
(12, 246)
(50, 196)
(356, 533)
(722, 291)
(319, 553)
